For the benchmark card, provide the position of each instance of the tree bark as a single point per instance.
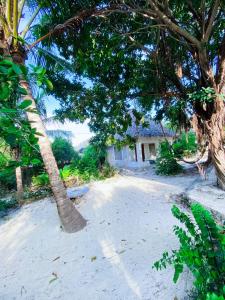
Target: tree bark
(19, 184)
(18, 174)
(216, 137)
(71, 219)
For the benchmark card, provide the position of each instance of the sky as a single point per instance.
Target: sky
(81, 132)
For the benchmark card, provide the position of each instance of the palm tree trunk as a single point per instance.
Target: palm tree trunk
(71, 219)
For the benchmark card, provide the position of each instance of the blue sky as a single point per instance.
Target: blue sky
(80, 131)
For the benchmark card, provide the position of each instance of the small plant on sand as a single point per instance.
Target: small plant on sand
(202, 250)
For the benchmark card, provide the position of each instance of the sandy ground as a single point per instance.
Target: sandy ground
(129, 226)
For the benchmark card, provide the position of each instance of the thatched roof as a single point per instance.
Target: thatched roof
(153, 130)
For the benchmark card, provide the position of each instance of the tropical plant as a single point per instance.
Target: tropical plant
(64, 152)
(166, 163)
(16, 133)
(202, 250)
(90, 160)
(40, 180)
(185, 145)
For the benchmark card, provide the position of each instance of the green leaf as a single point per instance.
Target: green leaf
(39, 82)
(25, 104)
(22, 91)
(4, 92)
(8, 110)
(3, 70)
(35, 161)
(178, 271)
(16, 69)
(49, 84)
(6, 62)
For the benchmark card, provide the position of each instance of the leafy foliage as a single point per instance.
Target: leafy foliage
(185, 145)
(63, 151)
(202, 250)
(40, 180)
(18, 139)
(91, 165)
(6, 204)
(92, 160)
(166, 163)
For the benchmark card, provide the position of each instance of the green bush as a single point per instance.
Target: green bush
(8, 179)
(6, 204)
(202, 250)
(91, 161)
(166, 163)
(90, 166)
(33, 195)
(66, 172)
(64, 152)
(40, 180)
(185, 146)
(214, 297)
(107, 171)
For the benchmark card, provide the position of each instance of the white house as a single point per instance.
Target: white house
(147, 140)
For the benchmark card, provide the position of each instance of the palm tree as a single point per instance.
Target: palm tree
(12, 45)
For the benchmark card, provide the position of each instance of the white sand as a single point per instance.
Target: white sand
(129, 226)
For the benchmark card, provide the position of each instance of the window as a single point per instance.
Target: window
(118, 154)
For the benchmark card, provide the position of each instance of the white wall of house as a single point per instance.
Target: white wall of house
(126, 157)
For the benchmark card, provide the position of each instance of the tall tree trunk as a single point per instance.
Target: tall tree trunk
(71, 219)
(19, 184)
(216, 136)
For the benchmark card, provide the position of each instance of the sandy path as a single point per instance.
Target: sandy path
(129, 226)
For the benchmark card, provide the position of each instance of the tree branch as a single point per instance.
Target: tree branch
(210, 21)
(74, 22)
(221, 65)
(9, 13)
(5, 25)
(15, 21)
(194, 12)
(20, 10)
(173, 27)
(27, 27)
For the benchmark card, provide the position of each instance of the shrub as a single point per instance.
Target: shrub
(91, 161)
(90, 166)
(33, 195)
(6, 204)
(40, 180)
(166, 163)
(8, 178)
(107, 171)
(202, 250)
(63, 151)
(186, 145)
(66, 172)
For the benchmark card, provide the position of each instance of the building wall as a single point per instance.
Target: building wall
(128, 155)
